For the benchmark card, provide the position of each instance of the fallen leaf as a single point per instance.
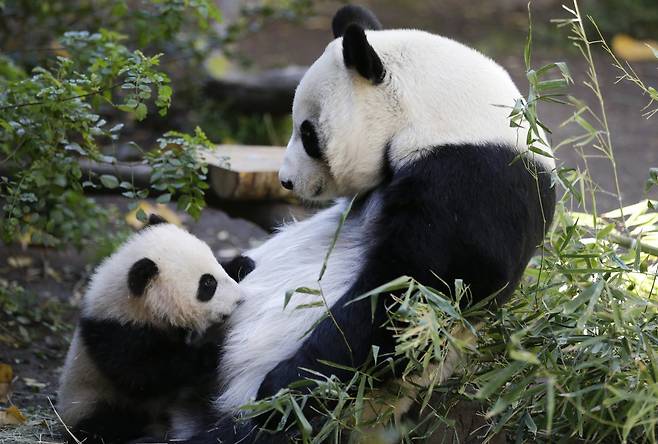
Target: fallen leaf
(50, 271)
(633, 50)
(6, 376)
(217, 64)
(34, 384)
(9, 340)
(12, 416)
(26, 238)
(19, 261)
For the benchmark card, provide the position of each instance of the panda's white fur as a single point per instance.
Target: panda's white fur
(436, 92)
(169, 301)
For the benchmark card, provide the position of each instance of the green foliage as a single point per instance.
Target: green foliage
(153, 23)
(50, 120)
(72, 89)
(21, 309)
(636, 17)
(179, 170)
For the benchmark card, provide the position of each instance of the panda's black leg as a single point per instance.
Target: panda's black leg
(110, 424)
(143, 361)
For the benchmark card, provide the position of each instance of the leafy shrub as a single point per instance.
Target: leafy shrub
(67, 94)
(50, 120)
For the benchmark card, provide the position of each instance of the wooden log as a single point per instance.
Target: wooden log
(246, 173)
(235, 172)
(270, 91)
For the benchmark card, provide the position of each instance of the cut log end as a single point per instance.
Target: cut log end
(242, 172)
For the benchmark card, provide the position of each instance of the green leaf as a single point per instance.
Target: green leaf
(109, 181)
(305, 426)
(524, 356)
(496, 378)
(164, 198)
(141, 111)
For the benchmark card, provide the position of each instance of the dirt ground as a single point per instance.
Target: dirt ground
(35, 343)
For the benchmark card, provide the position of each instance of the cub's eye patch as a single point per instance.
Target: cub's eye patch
(310, 140)
(207, 287)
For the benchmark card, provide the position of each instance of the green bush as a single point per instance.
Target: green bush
(636, 17)
(76, 85)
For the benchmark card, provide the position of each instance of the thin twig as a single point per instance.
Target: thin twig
(61, 421)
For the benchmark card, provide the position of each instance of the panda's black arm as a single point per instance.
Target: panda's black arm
(145, 361)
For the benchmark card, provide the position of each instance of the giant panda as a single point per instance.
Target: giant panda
(144, 357)
(414, 127)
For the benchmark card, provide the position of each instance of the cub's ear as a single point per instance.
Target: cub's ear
(358, 54)
(353, 14)
(140, 274)
(156, 219)
(239, 267)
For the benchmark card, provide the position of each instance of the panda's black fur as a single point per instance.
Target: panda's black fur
(150, 367)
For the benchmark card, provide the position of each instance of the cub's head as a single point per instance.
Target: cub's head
(162, 276)
(377, 99)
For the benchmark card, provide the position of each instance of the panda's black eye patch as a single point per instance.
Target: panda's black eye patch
(310, 140)
(207, 287)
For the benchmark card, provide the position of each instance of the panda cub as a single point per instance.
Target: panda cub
(144, 355)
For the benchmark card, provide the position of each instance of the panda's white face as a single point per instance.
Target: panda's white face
(352, 125)
(341, 124)
(164, 276)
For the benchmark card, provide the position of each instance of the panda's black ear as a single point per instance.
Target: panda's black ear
(155, 219)
(353, 14)
(140, 274)
(358, 54)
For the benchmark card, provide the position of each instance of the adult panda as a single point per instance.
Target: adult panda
(413, 125)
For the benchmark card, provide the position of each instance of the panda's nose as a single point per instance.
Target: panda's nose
(287, 184)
